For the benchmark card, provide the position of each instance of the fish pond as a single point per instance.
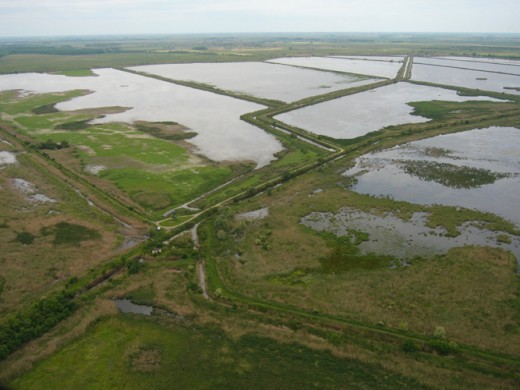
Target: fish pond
(353, 115)
(260, 79)
(473, 65)
(473, 79)
(369, 68)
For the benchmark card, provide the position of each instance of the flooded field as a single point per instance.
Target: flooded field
(467, 78)
(259, 79)
(484, 66)
(368, 68)
(477, 169)
(353, 116)
(221, 135)
(390, 235)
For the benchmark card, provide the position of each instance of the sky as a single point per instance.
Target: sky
(99, 17)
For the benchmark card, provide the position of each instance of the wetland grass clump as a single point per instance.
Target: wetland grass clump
(345, 257)
(450, 175)
(70, 234)
(45, 109)
(25, 238)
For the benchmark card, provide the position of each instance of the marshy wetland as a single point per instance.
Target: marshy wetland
(271, 214)
(474, 169)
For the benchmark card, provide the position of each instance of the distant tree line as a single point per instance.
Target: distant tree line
(55, 50)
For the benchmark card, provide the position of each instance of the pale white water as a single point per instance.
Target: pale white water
(500, 61)
(490, 67)
(356, 115)
(260, 79)
(221, 135)
(473, 79)
(374, 58)
(496, 149)
(368, 68)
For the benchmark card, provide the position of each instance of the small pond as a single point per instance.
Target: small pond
(127, 306)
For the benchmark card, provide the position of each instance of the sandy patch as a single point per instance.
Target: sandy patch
(253, 215)
(7, 158)
(29, 190)
(94, 169)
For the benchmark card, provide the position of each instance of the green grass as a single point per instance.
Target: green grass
(133, 353)
(12, 106)
(144, 295)
(161, 190)
(155, 172)
(2, 284)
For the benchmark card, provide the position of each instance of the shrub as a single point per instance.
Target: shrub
(25, 238)
(409, 346)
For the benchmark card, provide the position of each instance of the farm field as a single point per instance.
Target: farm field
(304, 211)
(265, 80)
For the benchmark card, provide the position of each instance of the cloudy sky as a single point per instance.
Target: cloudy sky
(78, 17)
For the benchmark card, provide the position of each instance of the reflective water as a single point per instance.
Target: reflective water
(391, 235)
(487, 66)
(221, 135)
(466, 78)
(374, 58)
(127, 306)
(356, 115)
(259, 79)
(368, 68)
(495, 149)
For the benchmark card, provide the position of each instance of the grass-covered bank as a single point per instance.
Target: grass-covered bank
(134, 353)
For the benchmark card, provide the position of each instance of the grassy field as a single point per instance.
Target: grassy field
(133, 353)
(46, 243)
(150, 170)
